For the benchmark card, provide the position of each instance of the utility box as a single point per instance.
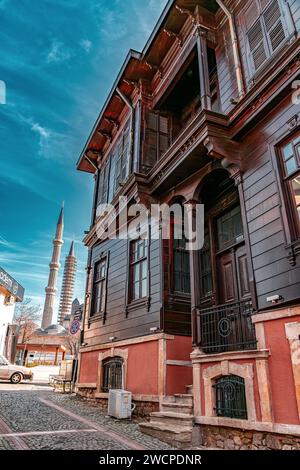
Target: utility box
(120, 404)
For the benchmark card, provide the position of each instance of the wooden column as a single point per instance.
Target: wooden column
(56, 356)
(195, 279)
(203, 67)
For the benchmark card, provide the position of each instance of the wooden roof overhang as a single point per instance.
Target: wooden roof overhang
(137, 67)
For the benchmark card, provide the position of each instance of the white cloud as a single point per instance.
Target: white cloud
(43, 133)
(58, 53)
(86, 45)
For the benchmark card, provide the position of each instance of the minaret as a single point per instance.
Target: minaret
(67, 289)
(54, 267)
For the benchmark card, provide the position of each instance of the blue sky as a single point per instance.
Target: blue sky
(59, 59)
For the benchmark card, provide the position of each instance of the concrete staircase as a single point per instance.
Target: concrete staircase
(174, 422)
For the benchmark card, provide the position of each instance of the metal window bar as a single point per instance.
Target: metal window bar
(231, 397)
(112, 374)
(227, 327)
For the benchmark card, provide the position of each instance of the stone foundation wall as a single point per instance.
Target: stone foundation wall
(142, 410)
(235, 439)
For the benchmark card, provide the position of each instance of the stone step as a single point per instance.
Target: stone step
(177, 436)
(172, 418)
(186, 408)
(183, 398)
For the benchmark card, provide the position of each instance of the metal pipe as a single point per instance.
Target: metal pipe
(236, 53)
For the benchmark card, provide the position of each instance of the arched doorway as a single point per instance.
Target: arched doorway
(225, 296)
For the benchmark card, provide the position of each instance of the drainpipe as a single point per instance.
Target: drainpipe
(132, 130)
(235, 47)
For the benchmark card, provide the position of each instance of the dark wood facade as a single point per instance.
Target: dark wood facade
(188, 103)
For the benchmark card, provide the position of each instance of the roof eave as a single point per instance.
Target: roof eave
(132, 54)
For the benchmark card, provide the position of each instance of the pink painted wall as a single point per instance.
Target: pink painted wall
(142, 371)
(178, 377)
(142, 367)
(179, 348)
(88, 367)
(281, 373)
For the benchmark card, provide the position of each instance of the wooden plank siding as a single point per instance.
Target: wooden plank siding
(137, 321)
(272, 271)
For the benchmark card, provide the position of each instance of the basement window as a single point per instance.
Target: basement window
(112, 374)
(231, 397)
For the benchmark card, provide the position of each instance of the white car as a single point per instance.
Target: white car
(14, 373)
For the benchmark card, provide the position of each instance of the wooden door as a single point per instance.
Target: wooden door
(233, 275)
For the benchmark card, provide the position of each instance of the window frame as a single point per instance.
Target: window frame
(98, 315)
(131, 265)
(288, 27)
(107, 364)
(116, 167)
(240, 388)
(172, 262)
(286, 184)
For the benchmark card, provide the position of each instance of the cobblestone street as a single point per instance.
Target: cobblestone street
(34, 417)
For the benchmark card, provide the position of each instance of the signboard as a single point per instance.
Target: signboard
(78, 314)
(11, 285)
(75, 327)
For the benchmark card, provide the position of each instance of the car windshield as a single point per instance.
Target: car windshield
(3, 360)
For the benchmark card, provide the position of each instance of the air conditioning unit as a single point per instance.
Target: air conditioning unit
(9, 300)
(120, 404)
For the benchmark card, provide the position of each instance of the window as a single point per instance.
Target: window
(103, 183)
(112, 374)
(99, 287)
(230, 228)
(266, 30)
(231, 397)
(138, 270)
(123, 150)
(156, 137)
(115, 169)
(181, 259)
(205, 267)
(291, 172)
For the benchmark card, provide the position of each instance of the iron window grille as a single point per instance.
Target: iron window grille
(227, 327)
(231, 397)
(112, 374)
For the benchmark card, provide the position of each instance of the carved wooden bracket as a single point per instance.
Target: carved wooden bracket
(221, 147)
(228, 152)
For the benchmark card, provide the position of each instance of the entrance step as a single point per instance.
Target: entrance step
(184, 398)
(177, 436)
(174, 422)
(172, 418)
(186, 408)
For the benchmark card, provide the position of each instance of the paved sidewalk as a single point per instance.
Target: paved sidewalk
(33, 417)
